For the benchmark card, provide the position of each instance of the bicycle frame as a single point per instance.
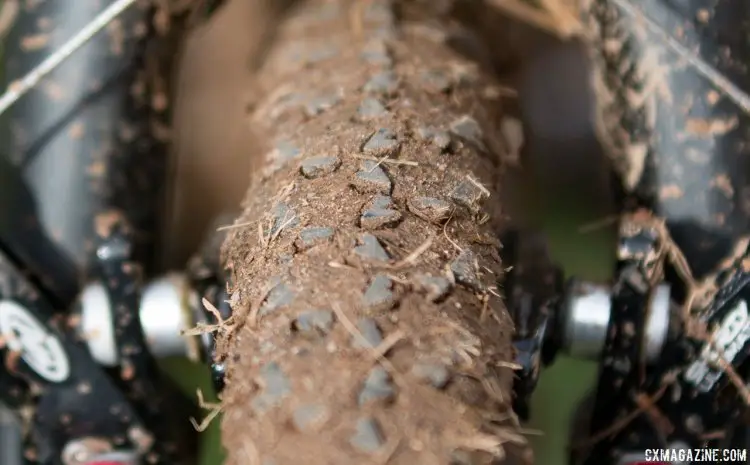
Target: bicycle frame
(670, 332)
(85, 162)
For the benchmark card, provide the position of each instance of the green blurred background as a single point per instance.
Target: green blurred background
(566, 381)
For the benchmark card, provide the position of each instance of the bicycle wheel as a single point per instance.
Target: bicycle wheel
(367, 324)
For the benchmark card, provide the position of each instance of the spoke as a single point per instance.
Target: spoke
(19, 88)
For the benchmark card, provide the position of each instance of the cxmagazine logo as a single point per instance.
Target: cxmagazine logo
(691, 456)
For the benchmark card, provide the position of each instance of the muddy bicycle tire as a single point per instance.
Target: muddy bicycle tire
(367, 323)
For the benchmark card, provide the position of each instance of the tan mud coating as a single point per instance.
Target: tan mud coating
(368, 327)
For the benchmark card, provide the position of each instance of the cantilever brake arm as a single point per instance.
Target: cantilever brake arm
(73, 396)
(678, 143)
(97, 143)
(677, 136)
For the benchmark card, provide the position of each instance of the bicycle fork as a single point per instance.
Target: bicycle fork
(81, 209)
(671, 332)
